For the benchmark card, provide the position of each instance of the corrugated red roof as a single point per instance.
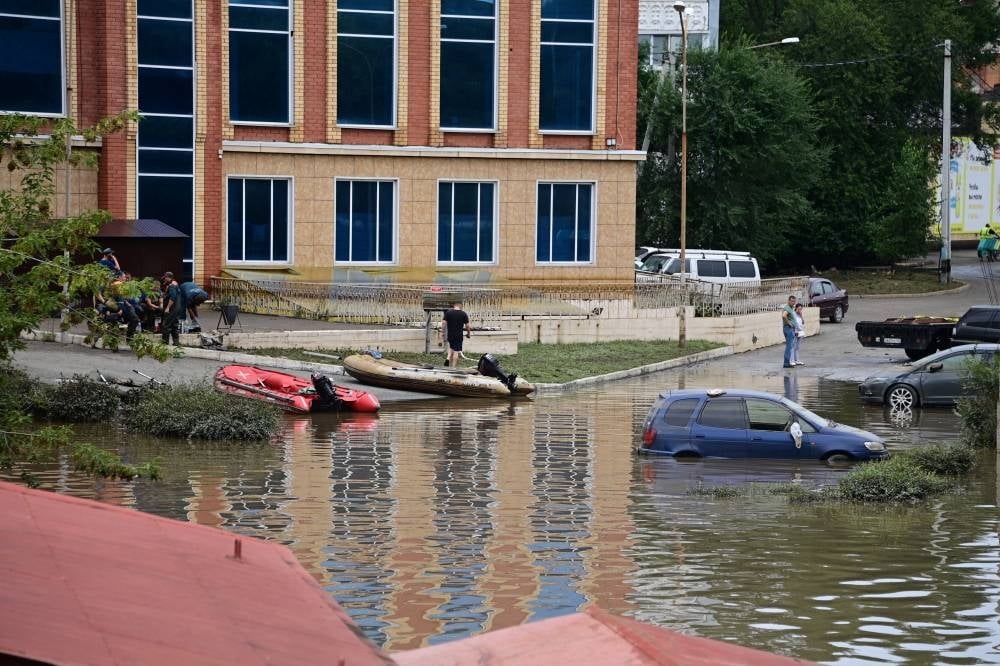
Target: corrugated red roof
(593, 637)
(88, 583)
(138, 229)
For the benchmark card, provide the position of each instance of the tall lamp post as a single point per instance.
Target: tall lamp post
(945, 257)
(680, 7)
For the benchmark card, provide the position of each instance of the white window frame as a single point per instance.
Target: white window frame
(593, 222)
(194, 127)
(290, 33)
(63, 93)
(350, 232)
(291, 222)
(496, 70)
(496, 221)
(394, 113)
(593, 83)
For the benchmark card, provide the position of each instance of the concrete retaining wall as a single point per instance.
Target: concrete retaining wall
(742, 333)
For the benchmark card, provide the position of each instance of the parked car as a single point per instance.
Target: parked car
(831, 300)
(738, 424)
(980, 323)
(644, 252)
(715, 266)
(922, 336)
(935, 380)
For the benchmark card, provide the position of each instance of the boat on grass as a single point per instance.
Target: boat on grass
(292, 393)
(486, 380)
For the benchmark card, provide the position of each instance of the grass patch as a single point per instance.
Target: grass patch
(863, 282)
(79, 399)
(200, 412)
(899, 479)
(943, 459)
(543, 363)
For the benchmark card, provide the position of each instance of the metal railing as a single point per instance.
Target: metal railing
(402, 304)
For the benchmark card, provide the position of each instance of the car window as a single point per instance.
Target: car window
(955, 362)
(816, 288)
(711, 268)
(767, 415)
(655, 263)
(977, 318)
(828, 288)
(742, 269)
(675, 265)
(724, 413)
(805, 416)
(679, 412)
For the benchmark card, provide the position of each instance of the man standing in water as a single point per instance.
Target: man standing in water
(788, 328)
(452, 325)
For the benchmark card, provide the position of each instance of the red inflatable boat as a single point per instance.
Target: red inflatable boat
(292, 393)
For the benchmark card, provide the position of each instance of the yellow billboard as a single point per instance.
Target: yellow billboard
(975, 186)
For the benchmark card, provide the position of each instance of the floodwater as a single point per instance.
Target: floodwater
(444, 519)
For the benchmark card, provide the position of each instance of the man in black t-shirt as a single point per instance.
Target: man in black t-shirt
(452, 325)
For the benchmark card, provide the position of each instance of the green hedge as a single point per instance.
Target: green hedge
(200, 412)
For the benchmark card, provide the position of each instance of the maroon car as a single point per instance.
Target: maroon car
(831, 301)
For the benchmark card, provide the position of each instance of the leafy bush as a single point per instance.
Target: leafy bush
(981, 381)
(200, 412)
(944, 459)
(18, 392)
(899, 479)
(80, 399)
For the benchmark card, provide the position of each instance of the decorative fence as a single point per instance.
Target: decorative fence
(488, 306)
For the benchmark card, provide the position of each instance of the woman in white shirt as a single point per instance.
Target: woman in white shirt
(800, 332)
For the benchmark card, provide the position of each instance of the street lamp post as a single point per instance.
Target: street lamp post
(682, 328)
(945, 258)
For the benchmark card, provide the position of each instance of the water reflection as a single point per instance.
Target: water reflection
(442, 519)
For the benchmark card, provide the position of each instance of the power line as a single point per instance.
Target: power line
(863, 61)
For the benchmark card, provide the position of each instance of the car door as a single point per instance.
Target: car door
(816, 295)
(721, 428)
(943, 385)
(769, 431)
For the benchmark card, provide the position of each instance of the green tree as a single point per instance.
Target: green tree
(39, 276)
(876, 72)
(752, 155)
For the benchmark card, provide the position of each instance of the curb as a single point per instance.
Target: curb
(541, 389)
(943, 292)
(277, 362)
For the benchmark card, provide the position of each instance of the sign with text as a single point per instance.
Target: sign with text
(975, 186)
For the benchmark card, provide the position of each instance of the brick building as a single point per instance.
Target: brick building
(328, 138)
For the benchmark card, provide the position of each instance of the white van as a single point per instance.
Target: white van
(716, 266)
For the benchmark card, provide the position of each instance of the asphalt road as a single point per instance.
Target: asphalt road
(836, 353)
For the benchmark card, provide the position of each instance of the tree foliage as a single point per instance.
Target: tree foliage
(39, 276)
(878, 97)
(753, 156)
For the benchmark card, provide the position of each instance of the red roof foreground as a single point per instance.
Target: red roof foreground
(593, 637)
(88, 583)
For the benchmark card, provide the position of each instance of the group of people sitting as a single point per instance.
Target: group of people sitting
(161, 311)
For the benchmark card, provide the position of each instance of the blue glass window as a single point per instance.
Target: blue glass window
(468, 64)
(366, 63)
(166, 105)
(31, 60)
(258, 219)
(365, 221)
(260, 48)
(569, 32)
(564, 222)
(466, 222)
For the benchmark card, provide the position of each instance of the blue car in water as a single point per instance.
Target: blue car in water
(749, 424)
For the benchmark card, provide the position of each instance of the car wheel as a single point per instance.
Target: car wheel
(901, 396)
(838, 459)
(838, 315)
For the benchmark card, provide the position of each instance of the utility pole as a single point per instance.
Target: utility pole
(945, 256)
(682, 327)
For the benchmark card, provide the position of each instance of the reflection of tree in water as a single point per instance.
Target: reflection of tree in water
(562, 512)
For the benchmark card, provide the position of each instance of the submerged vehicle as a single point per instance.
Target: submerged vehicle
(486, 380)
(749, 424)
(292, 393)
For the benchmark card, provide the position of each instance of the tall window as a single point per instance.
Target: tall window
(258, 220)
(365, 221)
(165, 189)
(466, 228)
(567, 70)
(565, 222)
(366, 63)
(468, 64)
(260, 47)
(31, 57)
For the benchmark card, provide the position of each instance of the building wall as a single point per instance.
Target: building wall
(101, 42)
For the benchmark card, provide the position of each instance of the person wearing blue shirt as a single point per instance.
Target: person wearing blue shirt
(110, 261)
(173, 309)
(193, 297)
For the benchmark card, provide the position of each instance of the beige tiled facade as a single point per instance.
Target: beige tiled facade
(417, 178)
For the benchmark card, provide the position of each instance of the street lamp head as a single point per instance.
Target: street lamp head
(790, 40)
(679, 6)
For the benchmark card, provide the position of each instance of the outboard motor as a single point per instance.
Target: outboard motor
(489, 366)
(324, 389)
